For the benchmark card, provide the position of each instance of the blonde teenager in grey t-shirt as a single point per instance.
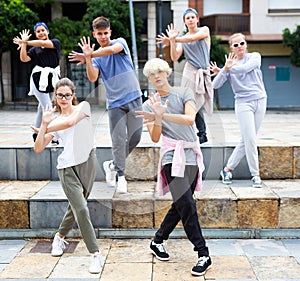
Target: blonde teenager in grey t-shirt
(177, 98)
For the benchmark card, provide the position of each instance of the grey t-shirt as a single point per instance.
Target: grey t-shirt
(177, 98)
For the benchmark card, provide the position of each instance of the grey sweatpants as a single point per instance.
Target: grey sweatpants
(250, 116)
(77, 183)
(125, 131)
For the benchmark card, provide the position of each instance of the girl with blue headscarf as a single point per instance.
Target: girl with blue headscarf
(195, 44)
(44, 55)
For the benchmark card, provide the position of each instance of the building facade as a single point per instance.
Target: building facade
(262, 21)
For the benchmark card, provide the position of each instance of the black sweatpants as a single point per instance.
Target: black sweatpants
(183, 208)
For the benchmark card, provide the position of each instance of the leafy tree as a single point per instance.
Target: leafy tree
(14, 16)
(69, 33)
(292, 40)
(217, 51)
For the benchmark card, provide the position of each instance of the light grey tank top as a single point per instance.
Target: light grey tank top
(197, 53)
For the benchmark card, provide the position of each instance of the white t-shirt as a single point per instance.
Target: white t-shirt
(78, 140)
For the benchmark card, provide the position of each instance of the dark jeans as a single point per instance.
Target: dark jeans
(183, 208)
(200, 123)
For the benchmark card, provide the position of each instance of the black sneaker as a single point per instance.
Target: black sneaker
(159, 250)
(202, 265)
(54, 142)
(34, 136)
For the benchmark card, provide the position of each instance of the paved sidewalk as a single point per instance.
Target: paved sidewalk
(279, 128)
(131, 260)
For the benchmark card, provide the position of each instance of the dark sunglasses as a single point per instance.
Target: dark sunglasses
(60, 96)
(235, 45)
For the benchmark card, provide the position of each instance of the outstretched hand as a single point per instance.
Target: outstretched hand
(171, 31)
(85, 46)
(24, 37)
(34, 129)
(213, 67)
(230, 61)
(156, 105)
(75, 56)
(48, 116)
(147, 116)
(163, 39)
(87, 51)
(158, 109)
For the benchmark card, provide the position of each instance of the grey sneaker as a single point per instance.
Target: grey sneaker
(256, 181)
(58, 246)
(226, 177)
(110, 173)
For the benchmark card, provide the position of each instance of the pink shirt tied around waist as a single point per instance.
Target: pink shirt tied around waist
(179, 162)
(199, 80)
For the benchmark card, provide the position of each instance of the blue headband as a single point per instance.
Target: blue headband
(189, 10)
(40, 24)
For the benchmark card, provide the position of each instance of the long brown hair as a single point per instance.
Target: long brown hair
(61, 83)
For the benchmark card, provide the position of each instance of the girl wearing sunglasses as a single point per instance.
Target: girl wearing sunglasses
(242, 69)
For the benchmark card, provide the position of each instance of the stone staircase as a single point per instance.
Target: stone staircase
(32, 202)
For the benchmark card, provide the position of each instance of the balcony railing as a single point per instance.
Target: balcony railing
(225, 24)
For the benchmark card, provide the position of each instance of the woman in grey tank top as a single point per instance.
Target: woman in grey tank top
(195, 44)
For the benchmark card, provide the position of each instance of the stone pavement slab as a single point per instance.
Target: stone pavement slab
(263, 247)
(131, 260)
(293, 246)
(9, 249)
(275, 268)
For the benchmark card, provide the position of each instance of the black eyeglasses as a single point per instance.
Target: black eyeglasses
(60, 96)
(235, 45)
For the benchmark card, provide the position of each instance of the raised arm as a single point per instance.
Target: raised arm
(91, 71)
(175, 49)
(253, 62)
(22, 44)
(188, 118)
(82, 110)
(202, 33)
(43, 138)
(221, 76)
(154, 119)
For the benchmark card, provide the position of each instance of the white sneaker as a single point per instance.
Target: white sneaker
(58, 246)
(256, 181)
(110, 173)
(96, 263)
(122, 184)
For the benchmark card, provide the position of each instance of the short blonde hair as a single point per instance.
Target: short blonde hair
(236, 35)
(154, 65)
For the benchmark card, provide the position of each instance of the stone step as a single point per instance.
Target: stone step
(278, 143)
(22, 163)
(33, 205)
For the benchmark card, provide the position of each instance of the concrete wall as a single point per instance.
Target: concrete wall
(264, 23)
